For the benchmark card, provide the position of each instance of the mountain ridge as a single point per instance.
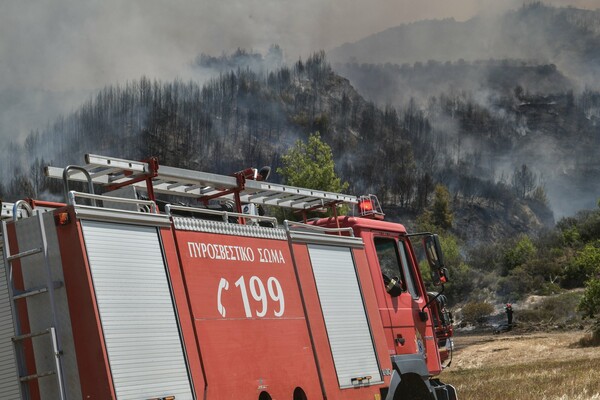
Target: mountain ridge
(535, 32)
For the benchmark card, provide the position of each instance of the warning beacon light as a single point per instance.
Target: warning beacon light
(369, 207)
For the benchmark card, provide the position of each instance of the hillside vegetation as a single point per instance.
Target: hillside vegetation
(243, 118)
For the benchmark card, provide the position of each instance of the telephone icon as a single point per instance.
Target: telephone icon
(223, 285)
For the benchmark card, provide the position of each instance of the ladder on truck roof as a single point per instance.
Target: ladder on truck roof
(15, 211)
(114, 173)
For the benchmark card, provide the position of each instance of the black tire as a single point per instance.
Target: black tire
(299, 394)
(264, 396)
(412, 387)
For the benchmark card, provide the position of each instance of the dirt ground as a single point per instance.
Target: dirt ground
(474, 351)
(524, 366)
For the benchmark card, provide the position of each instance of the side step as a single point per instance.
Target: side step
(24, 254)
(51, 331)
(35, 291)
(31, 335)
(36, 376)
(443, 391)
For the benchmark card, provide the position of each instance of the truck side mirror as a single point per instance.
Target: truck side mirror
(435, 258)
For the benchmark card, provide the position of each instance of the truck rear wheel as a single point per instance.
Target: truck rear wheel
(264, 396)
(299, 394)
(412, 387)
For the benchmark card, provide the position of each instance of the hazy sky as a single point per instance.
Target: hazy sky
(73, 46)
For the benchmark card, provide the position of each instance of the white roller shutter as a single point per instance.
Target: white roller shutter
(9, 382)
(344, 312)
(135, 305)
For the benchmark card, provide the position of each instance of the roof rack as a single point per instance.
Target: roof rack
(114, 173)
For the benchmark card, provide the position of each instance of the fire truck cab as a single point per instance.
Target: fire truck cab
(116, 296)
(410, 318)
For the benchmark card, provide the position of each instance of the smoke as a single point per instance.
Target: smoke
(542, 51)
(55, 54)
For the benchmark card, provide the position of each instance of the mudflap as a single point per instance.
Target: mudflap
(443, 391)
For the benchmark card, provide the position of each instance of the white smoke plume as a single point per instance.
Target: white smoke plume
(54, 55)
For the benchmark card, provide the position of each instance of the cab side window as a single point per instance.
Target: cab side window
(389, 262)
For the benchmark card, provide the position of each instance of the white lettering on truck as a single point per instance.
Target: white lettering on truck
(271, 256)
(234, 253)
(258, 293)
(220, 252)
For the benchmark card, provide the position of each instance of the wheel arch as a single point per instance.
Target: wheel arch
(410, 369)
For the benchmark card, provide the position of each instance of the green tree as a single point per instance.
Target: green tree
(585, 265)
(310, 165)
(588, 260)
(523, 251)
(441, 214)
(590, 305)
(461, 282)
(590, 302)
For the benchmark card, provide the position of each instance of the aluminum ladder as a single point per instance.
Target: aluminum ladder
(115, 172)
(16, 295)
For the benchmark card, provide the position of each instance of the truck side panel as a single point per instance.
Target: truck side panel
(247, 310)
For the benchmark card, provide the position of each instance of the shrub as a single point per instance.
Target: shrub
(476, 312)
(548, 289)
(590, 302)
(517, 284)
(484, 256)
(584, 265)
(523, 251)
(461, 284)
(555, 310)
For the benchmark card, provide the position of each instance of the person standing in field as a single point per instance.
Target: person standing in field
(509, 314)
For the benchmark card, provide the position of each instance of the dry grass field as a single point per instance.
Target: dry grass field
(514, 366)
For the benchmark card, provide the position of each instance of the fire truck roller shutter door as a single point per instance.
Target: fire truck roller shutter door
(344, 313)
(136, 309)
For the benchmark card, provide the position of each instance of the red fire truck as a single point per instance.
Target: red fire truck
(125, 296)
